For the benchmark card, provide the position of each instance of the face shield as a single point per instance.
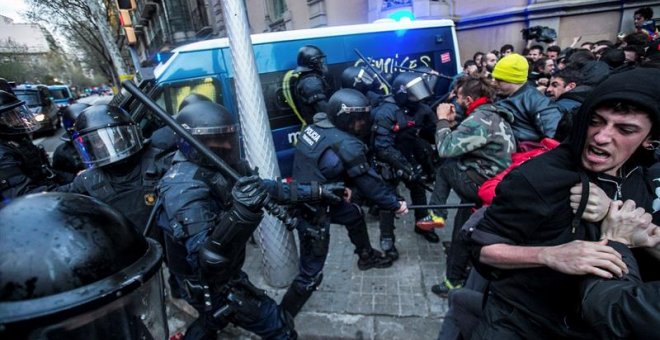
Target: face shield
(222, 140)
(363, 78)
(360, 118)
(431, 80)
(108, 145)
(127, 305)
(417, 89)
(319, 64)
(17, 120)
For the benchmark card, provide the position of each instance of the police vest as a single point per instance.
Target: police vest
(133, 194)
(314, 141)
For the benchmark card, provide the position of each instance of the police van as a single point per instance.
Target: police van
(206, 67)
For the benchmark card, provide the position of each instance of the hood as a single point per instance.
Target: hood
(639, 87)
(594, 72)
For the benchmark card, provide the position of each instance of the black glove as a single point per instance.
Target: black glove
(332, 193)
(249, 193)
(412, 174)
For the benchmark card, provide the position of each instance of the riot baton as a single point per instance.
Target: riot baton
(272, 207)
(425, 72)
(442, 206)
(372, 69)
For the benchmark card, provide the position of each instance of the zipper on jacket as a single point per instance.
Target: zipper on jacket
(618, 194)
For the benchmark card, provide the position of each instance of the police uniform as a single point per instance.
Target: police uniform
(23, 169)
(325, 153)
(312, 93)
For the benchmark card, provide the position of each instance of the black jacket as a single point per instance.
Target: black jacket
(532, 208)
(625, 308)
(536, 116)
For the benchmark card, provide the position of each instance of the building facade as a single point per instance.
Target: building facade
(161, 25)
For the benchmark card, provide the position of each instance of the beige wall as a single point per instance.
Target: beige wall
(256, 11)
(574, 26)
(346, 12)
(489, 38)
(299, 14)
(478, 7)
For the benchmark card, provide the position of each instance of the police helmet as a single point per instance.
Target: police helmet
(311, 58)
(15, 117)
(69, 116)
(349, 110)
(214, 126)
(410, 87)
(77, 269)
(193, 98)
(105, 134)
(357, 78)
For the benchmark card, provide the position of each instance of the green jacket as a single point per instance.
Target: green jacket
(483, 141)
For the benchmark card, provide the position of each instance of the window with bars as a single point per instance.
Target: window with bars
(276, 9)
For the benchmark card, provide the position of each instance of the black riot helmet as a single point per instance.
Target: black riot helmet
(358, 78)
(105, 134)
(214, 126)
(15, 117)
(349, 110)
(311, 58)
(77, 269)
(410, 87)
(69, 116)
(193, 98)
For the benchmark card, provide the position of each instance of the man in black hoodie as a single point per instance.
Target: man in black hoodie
(531, 244)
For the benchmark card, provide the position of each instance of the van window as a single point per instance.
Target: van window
(60, 93)
(30, 98)
(174, 93)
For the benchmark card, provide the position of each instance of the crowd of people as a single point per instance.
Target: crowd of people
(554, 147)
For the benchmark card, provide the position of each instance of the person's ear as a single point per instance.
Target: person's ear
(469, 100)
(570, 86)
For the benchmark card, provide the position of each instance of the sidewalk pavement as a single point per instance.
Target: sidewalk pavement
(390, 303)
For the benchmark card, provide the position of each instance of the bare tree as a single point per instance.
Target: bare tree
(84, 23)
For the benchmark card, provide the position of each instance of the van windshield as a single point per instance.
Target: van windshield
(29, 97)
(59, 93)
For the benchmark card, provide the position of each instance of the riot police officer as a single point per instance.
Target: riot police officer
(74, 268)
(329, 150)
(123, 170)
(312, 90)
(208, 218)
(24, 167)
(409, 89)
(66, 160)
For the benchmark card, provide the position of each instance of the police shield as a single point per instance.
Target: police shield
(73, 268)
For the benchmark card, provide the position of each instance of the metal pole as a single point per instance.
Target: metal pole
(278, 247)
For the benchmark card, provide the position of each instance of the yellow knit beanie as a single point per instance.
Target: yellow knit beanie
(512, 69)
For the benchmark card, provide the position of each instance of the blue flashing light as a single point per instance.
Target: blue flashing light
(402, 15)
(162, 57)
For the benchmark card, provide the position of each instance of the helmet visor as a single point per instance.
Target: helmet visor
(18, 120)
(417, 89)
(134, 316)
(108, 145)
(224, 145)
(363, 77)
(431, 80)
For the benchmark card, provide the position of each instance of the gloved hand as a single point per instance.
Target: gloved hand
(412, 174)
(249, 193)
(332, 192)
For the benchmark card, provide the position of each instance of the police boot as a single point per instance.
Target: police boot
(371, 258)
(429, 235)
(386, 220)
(293, 300)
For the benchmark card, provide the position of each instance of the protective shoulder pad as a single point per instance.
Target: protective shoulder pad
(353, 154)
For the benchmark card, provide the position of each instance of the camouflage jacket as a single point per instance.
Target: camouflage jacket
(483, 141)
